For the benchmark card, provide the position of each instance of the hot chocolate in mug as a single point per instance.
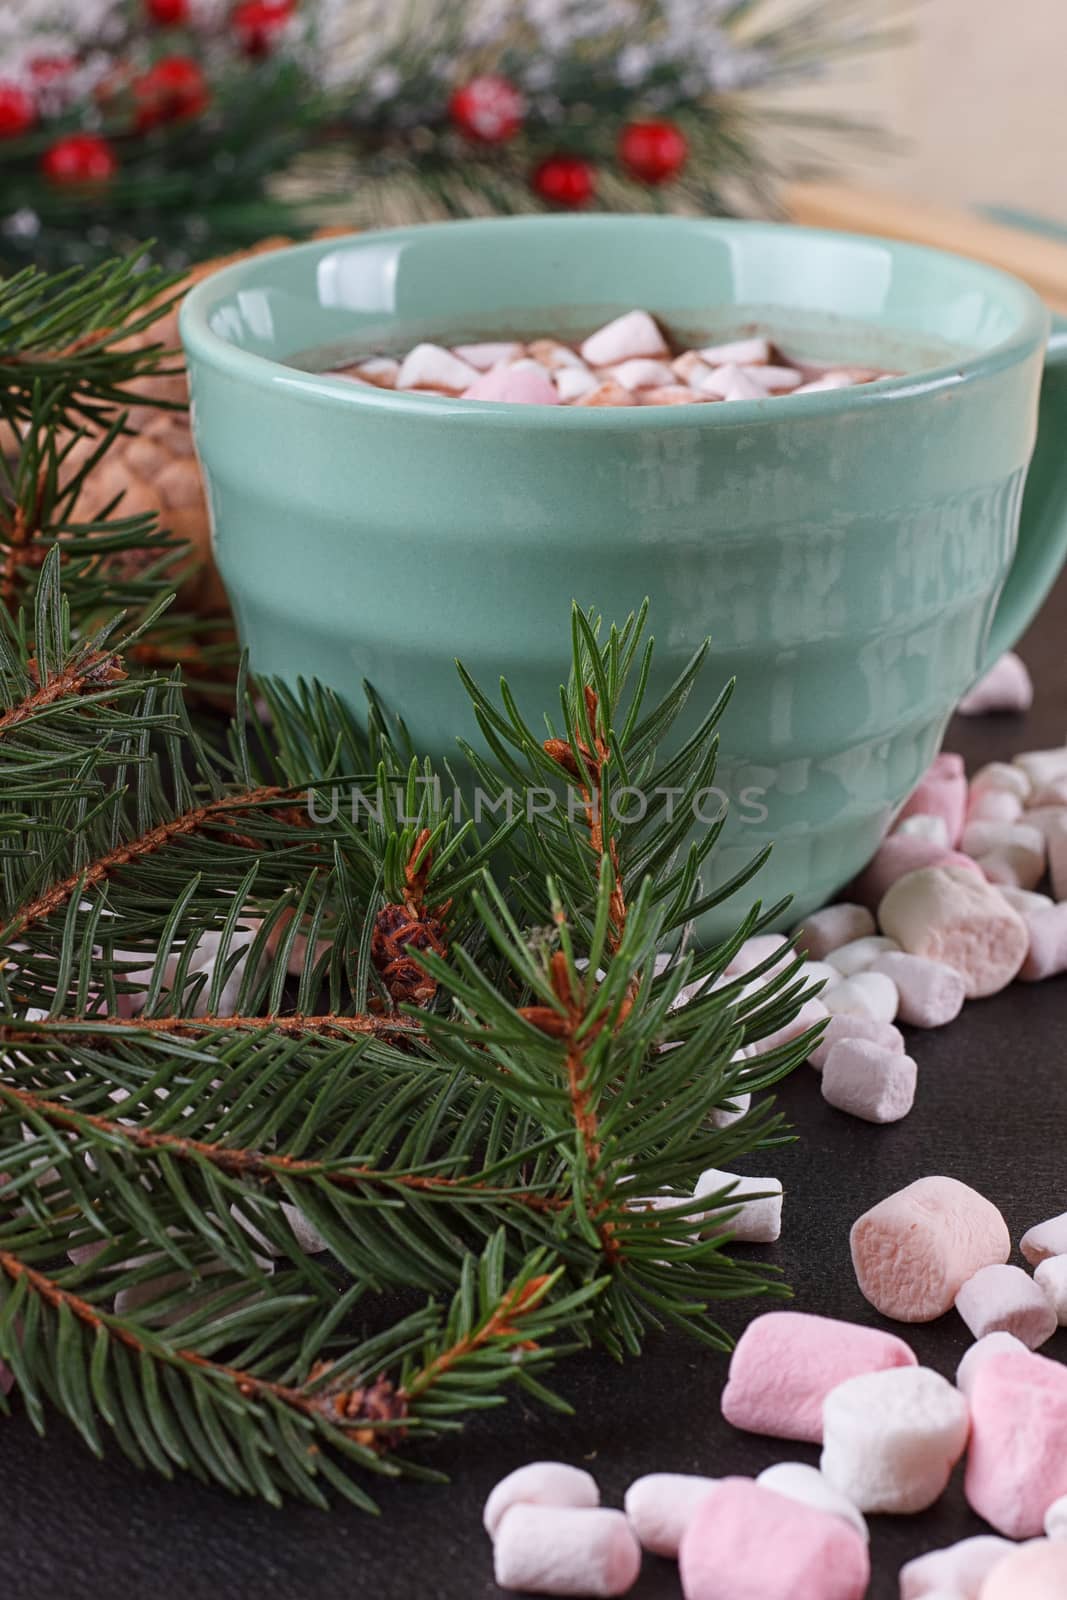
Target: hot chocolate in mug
(858, 557)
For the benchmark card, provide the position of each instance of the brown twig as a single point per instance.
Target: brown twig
(242, 1163)
(331, 1025)
(410, 926)
(154, 839)
(500, 1324)
(343, 1409)
(94, 672)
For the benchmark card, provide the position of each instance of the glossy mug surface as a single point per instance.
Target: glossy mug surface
(857, 556)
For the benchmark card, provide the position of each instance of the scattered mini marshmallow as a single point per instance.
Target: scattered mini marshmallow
(1045, 1239)
(758, 1221)
(1007, 852)
(993, 1344)
(1025, 901)
(951, 915)
(1051, 1278)
(819, 972)
(787, 1362)
(891, 1439)
(994, 805)
(809, 1015)
(635, 333)
(573, 382)
(958, 1569)
(1017, 1462)
(524, 386)
(661, 1505)
(755, 951)
(382, 371)
(1036, 1571)
(642, 373)
(866, 994)
(1043, 766)
(553, 354)
(732, 383)
(1005, 1299)
(738, 352)
(1056, 1519)
(490, 353)
(1006, 687)
(566, 1550)
(607, 394)
(1056, 842)
(862, 1079)
(914, 1250)
(923, 825)
(836, 925)
(1047, 955)
(898, 856)
(1051, 794)
(308, 1238)
(748, 1542)
(539, 1483)
(848, 1026)
(930, 993)
(941, 792)
(859, 954)
(430, 366)
(798, 1481)
(1005, 777)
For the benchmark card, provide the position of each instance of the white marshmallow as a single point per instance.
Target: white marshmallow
(1004, 776)
(660, 1506)
(891, 1438)
(1056, 839)
(957, 1570)
(573, 382)
(848, 1026)
(860, 954)
(921, 825)
(833, 927)
(691, 368)
(1006, 687)
(1051, 1278)
(977, 1354)
(994, 805)
(642, 373)
(930, 993)
(819, 972)
(539, 1483)
(757, 1221)
(797, 1481)
(430, 366)
(722, 1117)
(776, 380)
(1005, 1299)
(1045, 1239)
(482, 357)
(528, 364)
(861, 1078)
(1043, 766)
(739, 352)
(732, 383)
(566, 1550)
(380, 370)
(554, 355)
(1025, 901)
(1056, 1519)
(1007, 852)
(868, 994)
(635, 333)
(828, 380)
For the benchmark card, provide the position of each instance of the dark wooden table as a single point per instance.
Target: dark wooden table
(991, 1110)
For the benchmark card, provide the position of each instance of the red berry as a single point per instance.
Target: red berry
(17, 111)
(564, 181)
(653, 152)
(79, 158)
(167, 13)
(168, 92)
(257, 24)
(489, 109)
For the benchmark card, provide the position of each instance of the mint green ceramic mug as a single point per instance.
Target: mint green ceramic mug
(857, 556)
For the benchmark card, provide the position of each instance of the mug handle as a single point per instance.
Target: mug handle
(1043, 524)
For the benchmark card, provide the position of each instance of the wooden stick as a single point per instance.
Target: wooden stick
(1039, 261)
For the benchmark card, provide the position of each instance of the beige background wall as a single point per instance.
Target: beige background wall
(980, 100)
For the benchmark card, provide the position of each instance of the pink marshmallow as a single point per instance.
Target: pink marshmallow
(1047, 954)
(523, 386)
(849, 1026)
(941, 792)
(915, 1249)
(832, 927)
(1005, 687)
(747, 1542)
(1017, 1463)
(786, 1362)
(1037, 1571)
(952, 916)
(929, 992)
(1005, 1299)
(899, 855)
